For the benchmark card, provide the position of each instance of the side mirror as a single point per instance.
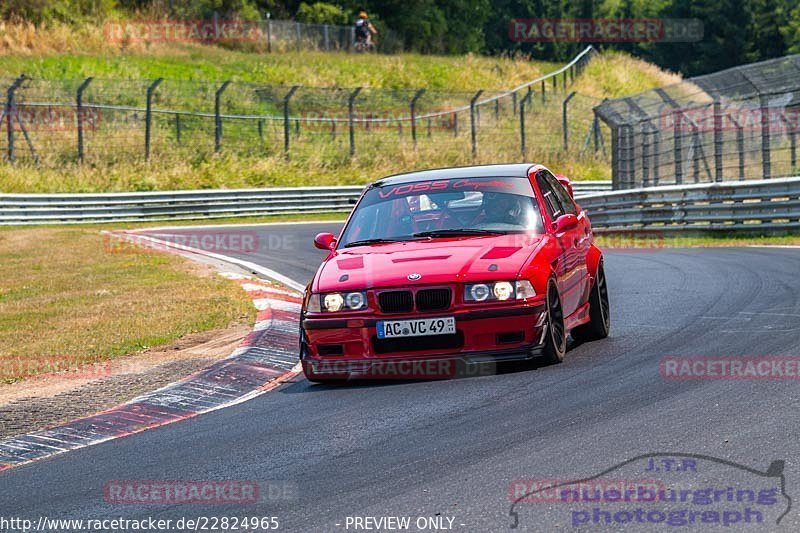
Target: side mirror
(563, 180)
(565, 223)
(325, 241)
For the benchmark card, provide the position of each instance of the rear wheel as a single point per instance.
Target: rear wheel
(555, 344)
(599, 311)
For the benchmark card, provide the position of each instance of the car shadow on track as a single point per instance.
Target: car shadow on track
(474, 371)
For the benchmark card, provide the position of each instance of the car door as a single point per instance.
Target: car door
(582, 238)
(571, 266)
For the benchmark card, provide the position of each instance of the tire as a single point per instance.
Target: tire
(599, 311)
(555, 344)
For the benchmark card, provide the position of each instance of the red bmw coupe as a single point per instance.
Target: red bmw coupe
(468, 265)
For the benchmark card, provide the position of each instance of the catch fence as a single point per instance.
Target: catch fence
(106, 121)
(737, 124)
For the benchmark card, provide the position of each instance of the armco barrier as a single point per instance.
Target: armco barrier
(758, 205)
(19, 209)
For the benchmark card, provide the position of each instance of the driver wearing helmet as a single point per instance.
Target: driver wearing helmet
(502, 208)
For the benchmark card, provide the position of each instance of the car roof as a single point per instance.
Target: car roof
(520, 170)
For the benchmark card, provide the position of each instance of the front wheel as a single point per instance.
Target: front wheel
(555, 344)
(599, 312)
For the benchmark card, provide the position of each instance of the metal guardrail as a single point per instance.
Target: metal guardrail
(23, 209)
(757, 205)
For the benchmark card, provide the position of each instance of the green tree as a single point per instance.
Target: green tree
(321, 13)
(764, 36)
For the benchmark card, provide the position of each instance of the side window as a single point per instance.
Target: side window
(551, 201)
(566, 201)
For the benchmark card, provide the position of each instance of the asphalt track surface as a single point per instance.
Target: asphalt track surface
(452, 448)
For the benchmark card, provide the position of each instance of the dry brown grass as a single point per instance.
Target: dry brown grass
(67, 300)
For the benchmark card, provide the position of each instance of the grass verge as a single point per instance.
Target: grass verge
(65, 300)
(252, 154)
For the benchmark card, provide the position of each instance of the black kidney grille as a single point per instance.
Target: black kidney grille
(433, 299)
(396, 301)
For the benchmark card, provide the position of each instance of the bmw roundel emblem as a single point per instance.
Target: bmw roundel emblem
(414, 276)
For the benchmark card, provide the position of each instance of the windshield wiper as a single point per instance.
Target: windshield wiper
(365, 242)
(457, 232)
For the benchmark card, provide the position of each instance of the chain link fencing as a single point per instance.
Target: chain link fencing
(98, 121)
(737, 124)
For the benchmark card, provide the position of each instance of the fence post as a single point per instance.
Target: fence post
(718, 170)
(544, 89)
(645, 162)
(695, 153)
(286, 133)
(523, 148)
(79, 112)
(564, 119)
(350, 120)
(178, 127)
(261, 129)
(9, 113)
(327, 38)
(218, 116)
(148, 117)
(269, 35)
(656, 152)
(455, 124)
(413, 107)
(739, 144)
(297, 35)
(616, 159)
(472, 124)
(677, 148)
(630, 157)
(765, 154)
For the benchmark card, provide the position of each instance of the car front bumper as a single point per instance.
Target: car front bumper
(347, 347)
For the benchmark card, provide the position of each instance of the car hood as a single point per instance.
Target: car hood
(436, 261)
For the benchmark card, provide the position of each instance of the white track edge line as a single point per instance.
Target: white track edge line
(264, 271)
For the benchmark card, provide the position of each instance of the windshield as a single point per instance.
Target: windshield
(443, 208)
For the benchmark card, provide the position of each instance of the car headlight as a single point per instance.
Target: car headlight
(333, 302)
(503, 290)
(478, 292)
(499, 291)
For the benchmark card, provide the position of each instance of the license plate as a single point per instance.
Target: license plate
(418, 327)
